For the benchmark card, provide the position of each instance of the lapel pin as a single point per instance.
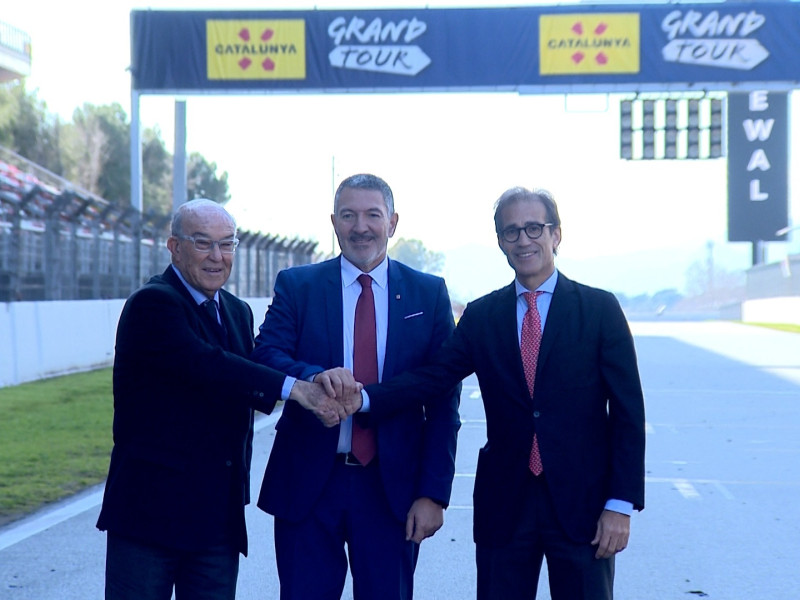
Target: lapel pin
(397, 297)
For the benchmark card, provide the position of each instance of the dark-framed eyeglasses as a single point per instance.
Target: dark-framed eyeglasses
(206, 246)
(533, 230)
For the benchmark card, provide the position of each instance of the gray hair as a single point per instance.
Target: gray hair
(519, 194)
(365, 181)
(193, 207)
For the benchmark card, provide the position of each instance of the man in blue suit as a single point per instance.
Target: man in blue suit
(325, 496)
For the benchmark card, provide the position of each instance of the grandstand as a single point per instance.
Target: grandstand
(59, 242)
(15, 53)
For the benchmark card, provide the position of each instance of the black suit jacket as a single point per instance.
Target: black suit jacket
(183, 400)
(302, 335)
(587, 410)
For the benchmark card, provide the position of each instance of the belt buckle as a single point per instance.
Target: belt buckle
(351, 460)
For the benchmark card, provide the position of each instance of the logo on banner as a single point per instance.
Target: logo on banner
(711, 40)
(589, 43)
(256, 49)
(377, 46)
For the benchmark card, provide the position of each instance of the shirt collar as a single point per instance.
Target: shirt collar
(548, 285)
(380, 274)
(198, 296)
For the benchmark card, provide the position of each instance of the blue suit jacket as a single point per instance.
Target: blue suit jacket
(302, 335)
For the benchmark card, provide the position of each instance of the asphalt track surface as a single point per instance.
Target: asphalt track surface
(723, 480)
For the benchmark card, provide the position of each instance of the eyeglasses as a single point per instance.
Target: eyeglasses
(533, 230)
(206, 246)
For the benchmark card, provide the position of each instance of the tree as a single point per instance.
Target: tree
(93, 151)
(415, 255)
(156, 173)
(202, 180)
(27, 128)
(98, 152)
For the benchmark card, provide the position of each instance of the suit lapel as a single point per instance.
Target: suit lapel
(561, 306)
(233, 341)
(396, 299)
(208, 329)
(503, 322)
(332, 299)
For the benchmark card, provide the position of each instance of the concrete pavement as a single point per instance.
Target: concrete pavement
(723, 477)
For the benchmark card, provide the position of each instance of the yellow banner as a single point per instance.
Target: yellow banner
(596, 43)
(256, 49)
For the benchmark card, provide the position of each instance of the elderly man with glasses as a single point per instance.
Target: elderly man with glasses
(184, 394)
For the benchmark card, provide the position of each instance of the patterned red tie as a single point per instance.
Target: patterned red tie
(529, 348)
(365, 366)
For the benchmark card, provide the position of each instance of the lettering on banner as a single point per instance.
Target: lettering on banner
(714, 40)
(758, 130)
(362, 46)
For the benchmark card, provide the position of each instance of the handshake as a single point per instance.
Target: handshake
(332, 397)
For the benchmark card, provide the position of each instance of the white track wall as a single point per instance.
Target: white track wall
(45, 339)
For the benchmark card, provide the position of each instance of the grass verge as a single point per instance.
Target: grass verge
(791, 328)
(55, 439)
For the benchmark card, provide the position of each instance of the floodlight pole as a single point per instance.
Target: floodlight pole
(136, 186)
(136, 153)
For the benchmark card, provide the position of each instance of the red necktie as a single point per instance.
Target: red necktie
(365, 365)
(529, 348)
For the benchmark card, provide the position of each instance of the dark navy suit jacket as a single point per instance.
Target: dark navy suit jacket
(587, 410)
(183, 400)
(302, 335)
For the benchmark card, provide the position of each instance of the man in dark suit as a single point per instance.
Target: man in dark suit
(325, 495)
(563, 466)
(184, 394)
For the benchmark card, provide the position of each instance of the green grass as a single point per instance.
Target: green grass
(778, 326)
(55, 439)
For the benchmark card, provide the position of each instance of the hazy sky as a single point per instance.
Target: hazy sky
(627, 226)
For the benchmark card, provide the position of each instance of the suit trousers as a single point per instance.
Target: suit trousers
(511, 571)
(139, 571)
(352, 511)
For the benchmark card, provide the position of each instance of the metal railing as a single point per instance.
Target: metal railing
(59, 242)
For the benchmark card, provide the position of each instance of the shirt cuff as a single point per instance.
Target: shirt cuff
(620, 506)
(288, 383)
(364, 401)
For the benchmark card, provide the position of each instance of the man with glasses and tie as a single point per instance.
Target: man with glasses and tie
(370, 490)
(563, 466)
(184, 394)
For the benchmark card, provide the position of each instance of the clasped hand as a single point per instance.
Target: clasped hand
(334, 395)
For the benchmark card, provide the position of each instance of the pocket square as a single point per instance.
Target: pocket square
(411, 316)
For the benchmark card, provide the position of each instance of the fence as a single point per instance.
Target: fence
(58, 242)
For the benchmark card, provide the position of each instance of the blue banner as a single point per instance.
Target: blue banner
(737, 45)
